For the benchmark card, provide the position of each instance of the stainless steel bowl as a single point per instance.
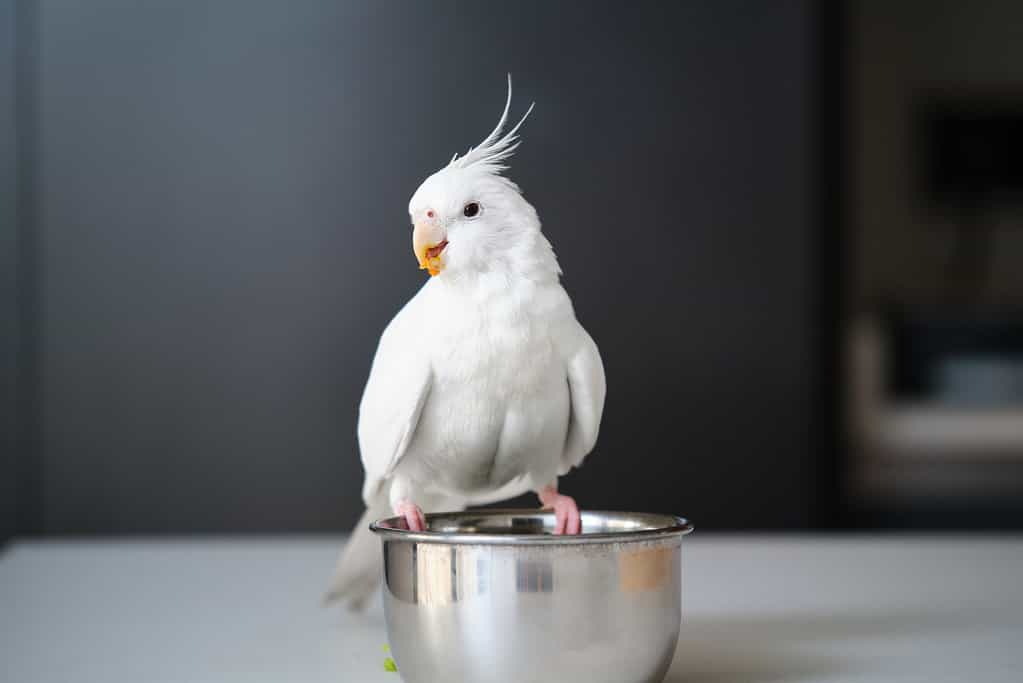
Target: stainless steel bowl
(493, 597)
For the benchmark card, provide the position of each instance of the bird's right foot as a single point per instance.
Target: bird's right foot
(412, 513)
(567, 519)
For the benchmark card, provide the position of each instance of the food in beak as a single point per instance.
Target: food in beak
(430, 258)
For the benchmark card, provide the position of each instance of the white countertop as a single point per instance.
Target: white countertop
(764, 608)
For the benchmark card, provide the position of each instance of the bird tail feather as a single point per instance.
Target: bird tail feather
(358, 569)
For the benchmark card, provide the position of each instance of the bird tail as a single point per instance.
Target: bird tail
(358, 570)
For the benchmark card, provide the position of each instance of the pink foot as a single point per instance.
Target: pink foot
(412, 513)
(566, 512)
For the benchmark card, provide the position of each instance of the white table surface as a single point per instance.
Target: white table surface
(766, 608)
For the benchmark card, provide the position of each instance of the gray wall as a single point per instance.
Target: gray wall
(221, 191)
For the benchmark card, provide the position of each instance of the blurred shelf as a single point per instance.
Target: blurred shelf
(934, 461)
(944, 432)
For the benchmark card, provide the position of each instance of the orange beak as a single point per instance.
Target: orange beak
(428, 241)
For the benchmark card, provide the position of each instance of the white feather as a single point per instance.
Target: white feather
(398, 385)
(490, 155)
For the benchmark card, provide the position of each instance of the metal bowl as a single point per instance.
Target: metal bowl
(493, 596)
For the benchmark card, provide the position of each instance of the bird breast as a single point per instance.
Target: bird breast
(498, 406)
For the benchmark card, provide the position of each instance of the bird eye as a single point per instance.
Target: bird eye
(471, 210)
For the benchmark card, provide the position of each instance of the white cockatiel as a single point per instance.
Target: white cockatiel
(484, 386)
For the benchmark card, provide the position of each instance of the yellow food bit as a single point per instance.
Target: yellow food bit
(389, 665)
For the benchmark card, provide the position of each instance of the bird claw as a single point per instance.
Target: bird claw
(566, 514)
(412, 513)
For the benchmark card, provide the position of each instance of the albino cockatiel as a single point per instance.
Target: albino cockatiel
(484, 386)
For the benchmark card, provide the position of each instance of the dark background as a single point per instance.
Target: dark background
(8, 275)
(211, 233)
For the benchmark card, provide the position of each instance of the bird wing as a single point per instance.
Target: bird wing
(397, 389)
(587, 388)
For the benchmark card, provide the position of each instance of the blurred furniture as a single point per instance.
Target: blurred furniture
(936, 413)
(932, 288)
(756, 609)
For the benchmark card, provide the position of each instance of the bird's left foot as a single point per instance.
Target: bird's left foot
(412, 513)
(566, 512)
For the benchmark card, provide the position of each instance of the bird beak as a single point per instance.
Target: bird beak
(428, 241)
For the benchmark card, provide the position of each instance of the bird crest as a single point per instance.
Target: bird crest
(490, 155)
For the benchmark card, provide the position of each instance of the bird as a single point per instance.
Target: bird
(484, 386)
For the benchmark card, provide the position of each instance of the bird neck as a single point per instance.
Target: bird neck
(529, 261)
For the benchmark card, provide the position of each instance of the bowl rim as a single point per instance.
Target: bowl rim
(669, 526)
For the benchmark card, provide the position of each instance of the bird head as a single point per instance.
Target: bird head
(467, 216)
